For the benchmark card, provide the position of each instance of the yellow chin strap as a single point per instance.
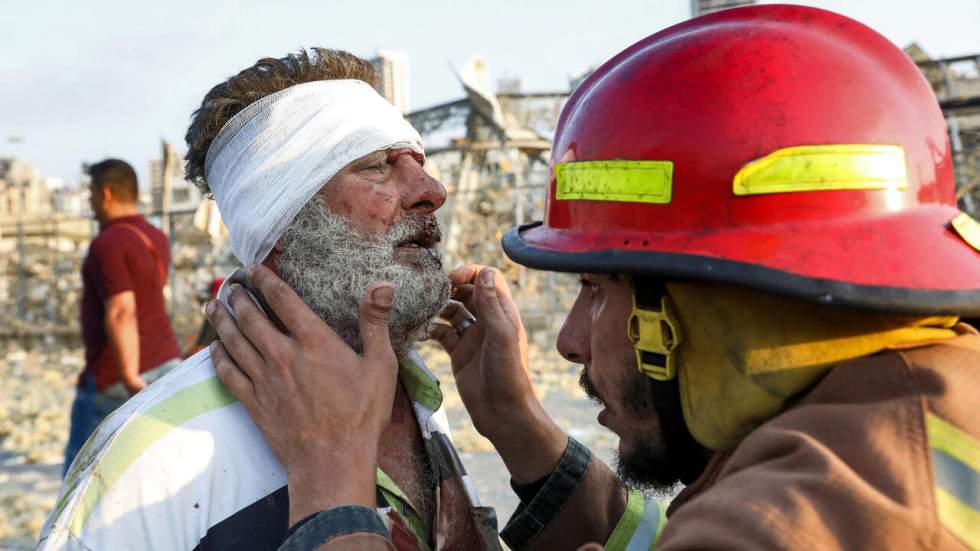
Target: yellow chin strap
(655, 334)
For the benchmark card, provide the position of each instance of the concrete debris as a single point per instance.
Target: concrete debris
(34, 413)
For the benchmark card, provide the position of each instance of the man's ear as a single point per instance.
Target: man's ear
(107, 196)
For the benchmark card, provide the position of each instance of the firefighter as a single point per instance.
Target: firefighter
(760, 205)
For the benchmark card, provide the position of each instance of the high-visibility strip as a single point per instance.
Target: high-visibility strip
(947, 438)
(143, 431)
(648, 531)
(967, 228)
(962, 521)
(627, 524)
(956, 472)
(956, 478)
(640, 526)
(620, 181)
(824, 168)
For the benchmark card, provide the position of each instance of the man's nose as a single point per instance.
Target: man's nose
(423, 193)
(574, 339)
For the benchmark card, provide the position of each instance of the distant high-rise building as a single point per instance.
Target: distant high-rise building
(69, 200)
(183, 194)
(508, 85)
(701, 7)
(23, 192)
(392, 67)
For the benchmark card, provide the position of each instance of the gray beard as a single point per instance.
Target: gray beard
(331, 266)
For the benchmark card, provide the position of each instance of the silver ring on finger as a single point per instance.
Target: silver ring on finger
(464, 325)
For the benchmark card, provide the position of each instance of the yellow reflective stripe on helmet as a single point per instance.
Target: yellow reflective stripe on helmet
(622, 181)
(824, 168)
(956, 475)
(967, 228)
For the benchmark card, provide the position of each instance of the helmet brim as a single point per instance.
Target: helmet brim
(537, 246)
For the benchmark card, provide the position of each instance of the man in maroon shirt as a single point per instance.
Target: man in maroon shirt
(128, 339)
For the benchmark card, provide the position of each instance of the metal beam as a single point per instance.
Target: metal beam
(953, 105)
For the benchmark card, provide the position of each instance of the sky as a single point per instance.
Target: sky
(81, 81)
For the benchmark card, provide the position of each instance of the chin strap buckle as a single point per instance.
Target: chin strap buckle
(655, 334)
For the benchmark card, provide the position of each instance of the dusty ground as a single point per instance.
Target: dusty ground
(34, 406)
(38, 387)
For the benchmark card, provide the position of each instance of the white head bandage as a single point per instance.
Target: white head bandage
(271, 158)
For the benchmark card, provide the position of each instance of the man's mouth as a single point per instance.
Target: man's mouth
(419, 244)
(419, 239)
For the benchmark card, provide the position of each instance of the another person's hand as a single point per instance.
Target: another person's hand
(134, 384)
(487, 345)
(321, 406)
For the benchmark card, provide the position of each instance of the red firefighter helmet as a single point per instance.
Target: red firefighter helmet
(785, 148)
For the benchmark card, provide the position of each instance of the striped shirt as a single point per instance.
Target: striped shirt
(182, 466)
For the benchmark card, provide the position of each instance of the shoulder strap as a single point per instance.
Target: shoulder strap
(161, 267)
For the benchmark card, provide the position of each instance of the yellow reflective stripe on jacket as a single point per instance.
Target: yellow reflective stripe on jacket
(621, 181)
(824, 168)
(144, 430)
(640, 526)
(184, 405)
(956, 474)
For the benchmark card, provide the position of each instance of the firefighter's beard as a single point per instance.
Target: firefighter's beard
(331, 266)
(660, 452)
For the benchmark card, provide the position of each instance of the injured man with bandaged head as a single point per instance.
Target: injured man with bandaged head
(319, 180)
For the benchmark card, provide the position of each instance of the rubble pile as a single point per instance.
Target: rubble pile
(51, 286)
(34, 415)
(44, 291)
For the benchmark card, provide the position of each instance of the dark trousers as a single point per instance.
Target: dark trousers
(88, 410)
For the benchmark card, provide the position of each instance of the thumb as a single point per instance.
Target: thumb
(375, 312)
(488, 308)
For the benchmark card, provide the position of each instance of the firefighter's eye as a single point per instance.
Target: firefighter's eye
(591, 285)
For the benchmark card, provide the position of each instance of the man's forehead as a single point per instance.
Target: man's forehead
(390, 153)
(379, 154)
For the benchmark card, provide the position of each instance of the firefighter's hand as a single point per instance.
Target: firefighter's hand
(487, 344)
(320, 405)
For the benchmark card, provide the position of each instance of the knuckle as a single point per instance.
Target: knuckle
(259, 276)
(489, 296)
(308, 333)
(233, 342)
(243, 322)
(377, 316)
(279, 290)
(219, 320)
(278, 356)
